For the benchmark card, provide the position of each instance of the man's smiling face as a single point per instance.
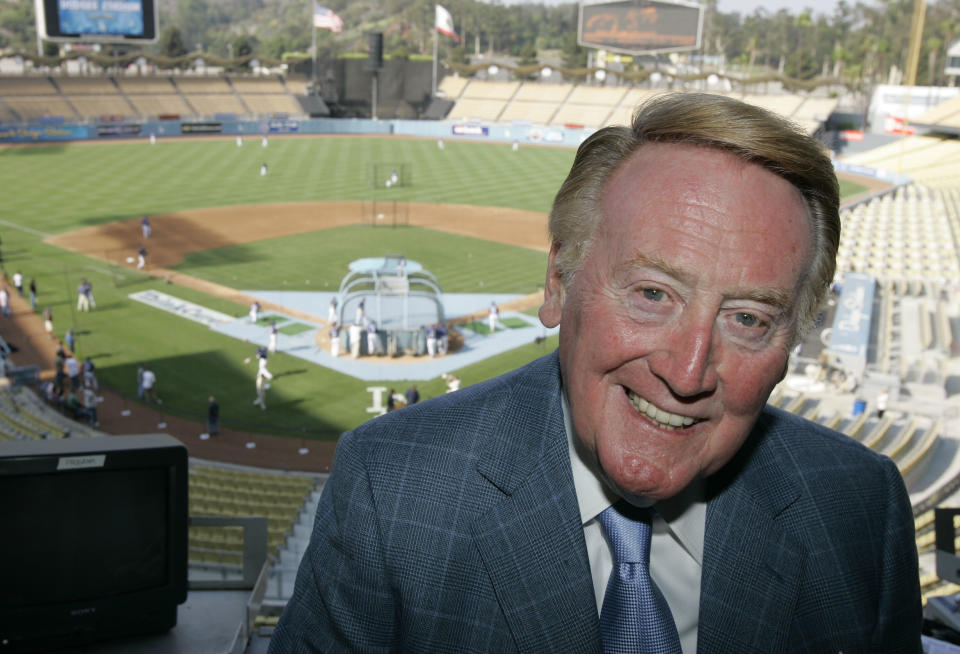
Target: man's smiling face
(678, 324)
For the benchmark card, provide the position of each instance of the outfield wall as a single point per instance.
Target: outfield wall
(58, 131)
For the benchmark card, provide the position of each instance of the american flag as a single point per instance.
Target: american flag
(325, 19)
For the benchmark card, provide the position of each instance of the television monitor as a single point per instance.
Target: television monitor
(94, 541)
(92, 21)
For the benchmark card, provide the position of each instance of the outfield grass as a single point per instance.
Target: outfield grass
(63, 187)
(318, 261)
(54, 189)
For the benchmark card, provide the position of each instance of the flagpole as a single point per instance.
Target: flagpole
(313, 70)
(436, 40)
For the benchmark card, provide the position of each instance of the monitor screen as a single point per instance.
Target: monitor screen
(83, 539)
(94, 541)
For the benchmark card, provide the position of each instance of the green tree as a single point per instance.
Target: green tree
(170, 44)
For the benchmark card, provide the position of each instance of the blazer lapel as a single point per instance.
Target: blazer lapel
(531, 542)
(751, 565)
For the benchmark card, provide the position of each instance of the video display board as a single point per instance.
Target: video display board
(641, 26)
(97, 20)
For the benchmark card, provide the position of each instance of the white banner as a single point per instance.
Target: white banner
(182, 308)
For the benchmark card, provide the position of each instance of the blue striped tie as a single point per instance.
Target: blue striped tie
(635, 618)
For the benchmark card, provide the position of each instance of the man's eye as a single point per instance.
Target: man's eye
(653, 294)
(747, 320)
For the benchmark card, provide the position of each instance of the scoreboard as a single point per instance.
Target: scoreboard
(108, 21)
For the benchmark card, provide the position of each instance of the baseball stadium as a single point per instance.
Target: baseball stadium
(223, 226)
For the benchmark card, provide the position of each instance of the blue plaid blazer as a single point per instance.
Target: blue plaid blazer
(453, 526)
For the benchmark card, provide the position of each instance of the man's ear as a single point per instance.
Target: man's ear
(553, 291)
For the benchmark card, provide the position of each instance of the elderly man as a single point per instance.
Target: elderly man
(689, 253)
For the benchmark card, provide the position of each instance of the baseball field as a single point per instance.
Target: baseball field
(475, 214)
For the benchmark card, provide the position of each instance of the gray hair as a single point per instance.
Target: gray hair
(750, 133)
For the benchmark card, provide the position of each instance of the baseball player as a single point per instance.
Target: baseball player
(254, 312)
(335, 340)
(262, 386)
(360, 311)
(48, 322)
(332, 311)
(263, 378)
(431, 340)
(272, 346)
(493, 316)
(18, 282)
(355, 331)
(371, 338)
(83, 300)
(141, 258)
(145, 228)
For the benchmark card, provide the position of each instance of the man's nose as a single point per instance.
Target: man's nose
(686, 362)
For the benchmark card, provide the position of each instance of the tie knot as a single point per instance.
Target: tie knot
(627, 529)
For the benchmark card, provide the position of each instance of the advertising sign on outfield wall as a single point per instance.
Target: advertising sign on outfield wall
(471, 130)
(35, 133)
(213, 127)
(641, 26)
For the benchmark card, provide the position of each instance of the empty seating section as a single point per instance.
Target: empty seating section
(91, 106)
(225, 491)
(297, 86)
(85, 86)
(533, 112)
(26, 86)
(553, 94)
(37, 107)
(263, 104)
(484, 100)
(202, 85)
(904, 235)
(589, 106)
(151, 97)
(481, 100)
(245, 85)
(947, 114)
(582, 114)
(482, 90)
(449, 87)
(146, 85)
(536, 103)
(608, 96)
(153, 105)
(210, 104)
(23, 415)
(473, 109)
(929, 160)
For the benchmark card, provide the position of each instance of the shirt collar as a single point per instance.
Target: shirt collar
(684, 514)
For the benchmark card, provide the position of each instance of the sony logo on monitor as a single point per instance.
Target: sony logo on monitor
(77, 462)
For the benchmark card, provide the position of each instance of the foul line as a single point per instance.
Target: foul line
(29, 230)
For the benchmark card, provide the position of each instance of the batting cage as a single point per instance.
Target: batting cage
(385, 174)
(386, 213)
(398, 297)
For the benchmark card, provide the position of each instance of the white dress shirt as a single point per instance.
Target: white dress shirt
(676, 550)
